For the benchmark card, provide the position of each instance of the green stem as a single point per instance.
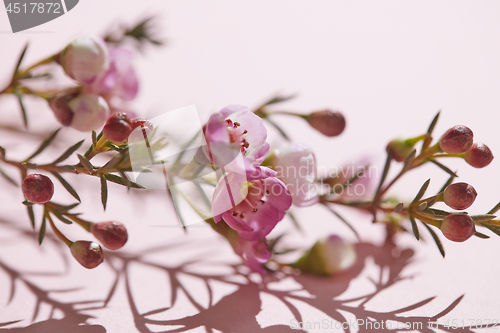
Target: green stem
(22, 74)
(436, 223)
(84, 224)
(56, 231)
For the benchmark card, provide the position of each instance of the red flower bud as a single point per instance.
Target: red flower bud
(38, 188)
(479, 155)
(117, 128)
(459, 196)
(456, 140)
(61, 109)
(329, 123)
(112, 235)
(458, 227)
(88, 254)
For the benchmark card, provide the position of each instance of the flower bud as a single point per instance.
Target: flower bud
(89, 112)
(456, 140)
(479, 155)
(458, 227)
(117, 128)
(38, 188)
(328, 122)
(400, 148)
(112, 235)
(296, 167)
(459, 196)
(85, 59)
(327, 256)
(137, 125)
(88, 254)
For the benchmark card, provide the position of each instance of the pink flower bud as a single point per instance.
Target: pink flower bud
(89, 112)
(328, 256)
(88, 254)
(479, 155)
(328, 122)
(400, 149)
(112, 235)
(85, 59)
(117, 128)
(459, 196)
(456, 140)
(458, 227)
(38, 188)
(60, 107)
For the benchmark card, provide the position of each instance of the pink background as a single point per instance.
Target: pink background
(388, 65)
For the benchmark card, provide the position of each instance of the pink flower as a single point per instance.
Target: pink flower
(233, 133)
(120, 79)
(296, 167)
(253, 253)
(85, 58)
(252, 207)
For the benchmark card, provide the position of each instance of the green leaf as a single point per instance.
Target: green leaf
(433, 123)
(44, 145)
(19, 61)
(279, 99)
(385, 172)
(437, 212)
(19, 95)
(482, 218)
(336, 190)
(68, 152)
(492, 228)
(448, 182)
(414, 227)
(104, 191)
(428, 140)
(436, 239)
(64, 208)
(445, 168)
(61, 217)
(295, 221)
(280, 130)
(86, 163)
(409, 159)
(41, 234)
(422, 190)
(495, 209)
(119, 180)
(345, 221)
(422, 207)
(67, 168)
(111, 163)
(66, 185)
(480, 235)
(31, 215)
(8, 178)
(94, 138)
(204, 196)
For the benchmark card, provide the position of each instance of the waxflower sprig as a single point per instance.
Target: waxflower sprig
(457, 142)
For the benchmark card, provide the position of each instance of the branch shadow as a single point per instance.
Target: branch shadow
(237, 311)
